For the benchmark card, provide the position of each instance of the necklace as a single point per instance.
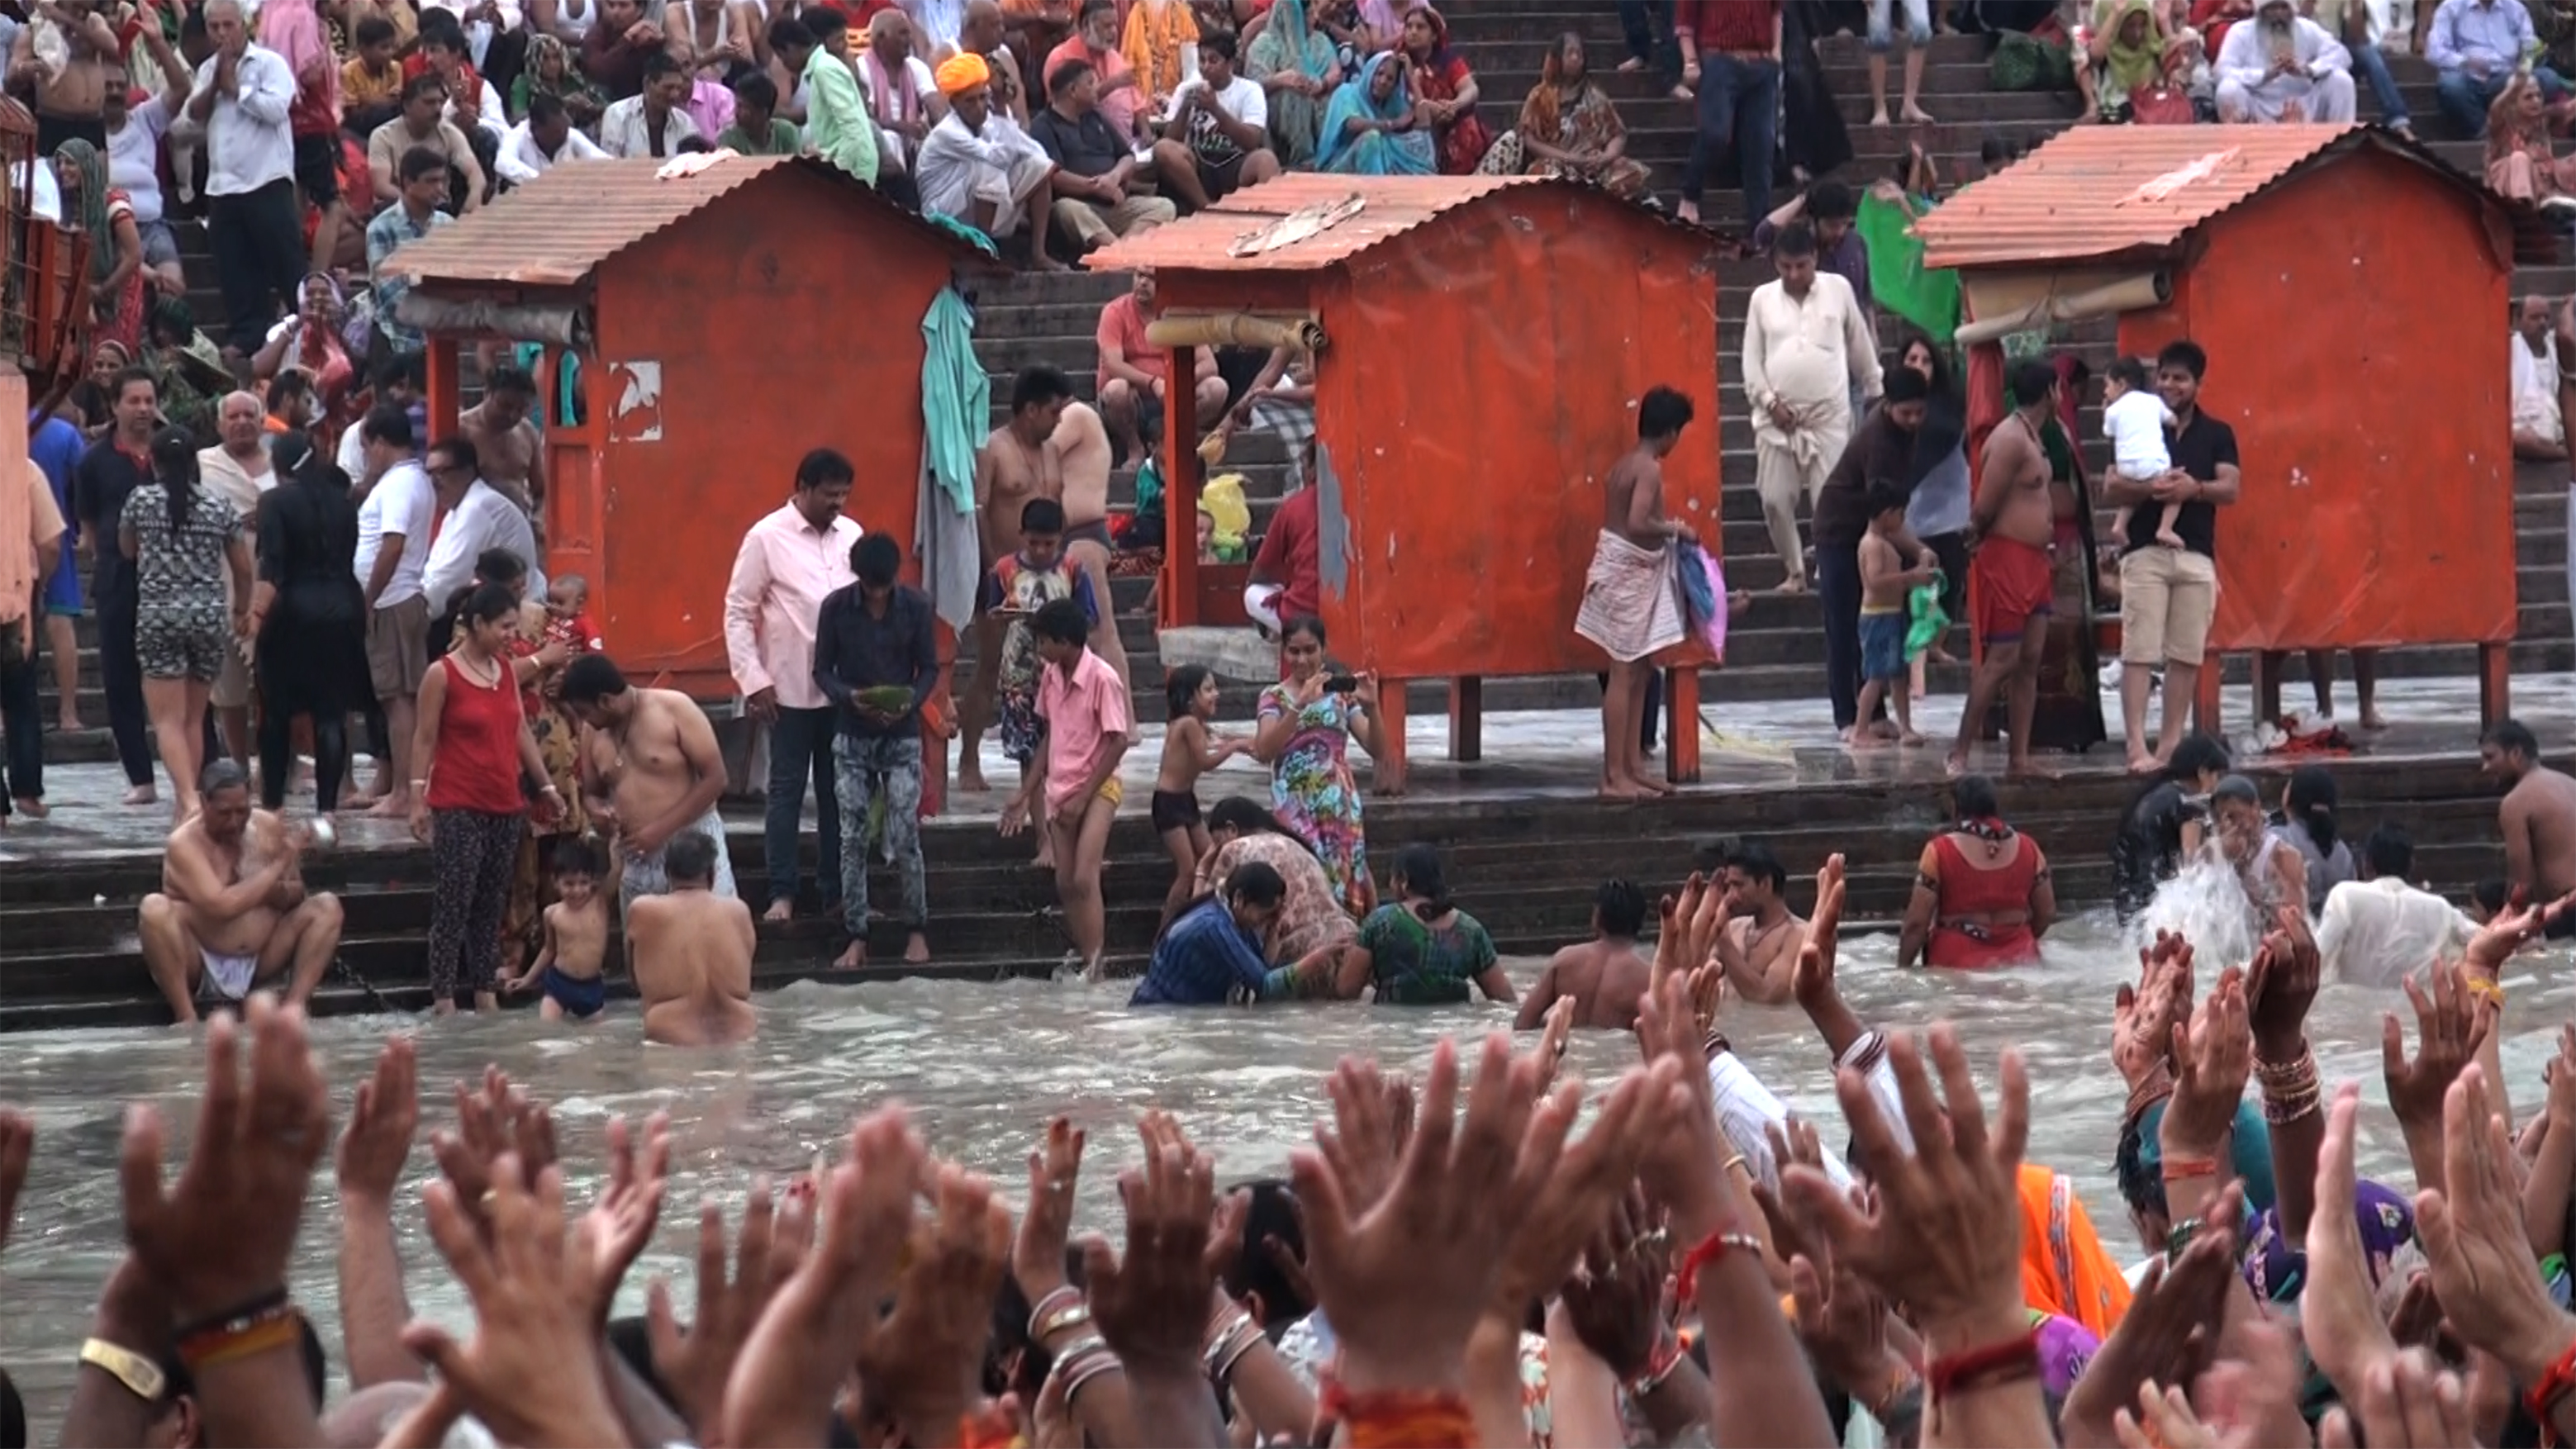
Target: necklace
(482, 676)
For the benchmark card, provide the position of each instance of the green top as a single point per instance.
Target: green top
(1417, 964)
(782, 140)
(836, 116)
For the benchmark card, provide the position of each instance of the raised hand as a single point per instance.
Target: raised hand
(1577, 1199)
(2408, 1403)
(2337, 1314)
(1684, 1167)
(2450, 1025)
(499, 1119)
(221, 1236)
(1151, 1302)
(1404, 1280)
(382, 1120)
(2168, 1335)
(532, 1372)
(2281, 984)
(927, 1356)
(695, 1365)
(2212, 1057)
(788, 1371)
(2509, 930)
(629, 1207)
(1616, 1301)
(1372, 1117)
(2473, 1236)
(1037, 1253)
(1945, 1240)
(1843, 1322)
(2143, 1018)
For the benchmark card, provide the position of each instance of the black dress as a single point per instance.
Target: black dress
(313, 645)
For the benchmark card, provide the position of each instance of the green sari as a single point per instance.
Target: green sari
(1291, 43)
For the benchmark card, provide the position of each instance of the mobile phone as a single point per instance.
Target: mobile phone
(1341, 684)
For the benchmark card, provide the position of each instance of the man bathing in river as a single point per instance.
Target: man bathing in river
(1604, 977)
(1631, 599)
(691, 950)
(232, 913)
(1758, 936)
(650, 772)
(2538, 818)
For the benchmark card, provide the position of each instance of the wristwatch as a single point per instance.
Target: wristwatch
(140, 1375)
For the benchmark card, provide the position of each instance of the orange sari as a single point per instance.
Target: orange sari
(2064, 1269)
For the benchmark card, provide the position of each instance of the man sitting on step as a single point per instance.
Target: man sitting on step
(232, 913)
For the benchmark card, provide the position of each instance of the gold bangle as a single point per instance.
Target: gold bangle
(141, 1376)
(1735, 1162)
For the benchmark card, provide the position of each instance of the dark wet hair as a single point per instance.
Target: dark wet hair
(1884, 496)
(1973, 797)
(1062, 621)
(2129, 372)
(591, 678)
(1041, 515)
(1306, 624)
(2388, 850)
(877, 560)
(219, 776)
(2187, 355)
(1663, 413)
(1829, 201)
(174, 462)
(1418, 866)
(2142, 1183)
(1797, 239)
(1240, 815)
(1182, 686)
(2311, 802)
(460, 452)
(1270, 1213)
(756, 91)
(689, 856)
(1037, 386)
(1257, 883)
(2031, 382)
(1220, 41)
(1906, 342)
(486, 602)
(2492, 893)
(2196, 753)
(1756, 860)
(790, 32)
(2237, 787)
(2513, 737)
(1621, 908)
(575, 855)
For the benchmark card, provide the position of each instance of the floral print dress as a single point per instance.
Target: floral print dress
(1313, 794)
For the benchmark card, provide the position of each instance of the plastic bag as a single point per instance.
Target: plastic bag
(1712, 574)
(1929, 620)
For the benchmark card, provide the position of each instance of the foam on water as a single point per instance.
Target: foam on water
(2206, 903)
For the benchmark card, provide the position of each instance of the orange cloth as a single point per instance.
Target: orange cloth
(2063, 1267)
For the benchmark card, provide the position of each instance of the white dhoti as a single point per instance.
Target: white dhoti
(2325, 99)
(1632, 600)
(1006, 188)
(1791, 465)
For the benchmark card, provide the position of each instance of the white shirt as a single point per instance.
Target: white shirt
(893, 147)
(522, 160)
(240, 486)
(2136, 426)
(1745, 1107)
(945, 171)
(623, 132)
(2535, 385)
(133, 157)
(2373, 932)
(1243, 100)
(45, 201)
(1807, 351)
(247, 143)
(483, 519)
(937, 22)
(400, 505)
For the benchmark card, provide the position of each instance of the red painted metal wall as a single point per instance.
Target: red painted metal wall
(1482, 378)
(2354, 321)
(782, 320)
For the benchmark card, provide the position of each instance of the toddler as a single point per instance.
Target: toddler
(1886, 586)
(2135, 420)
(568, 966)
(1190, 749)
(566, 622)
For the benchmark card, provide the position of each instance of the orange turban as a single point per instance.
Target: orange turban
(963, 72)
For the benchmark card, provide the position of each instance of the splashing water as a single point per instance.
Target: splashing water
(2206, 904)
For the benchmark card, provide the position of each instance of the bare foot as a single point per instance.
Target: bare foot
(141, 795)
(68, 722)
(392, 807)
(2373, 720)
(1622, 793)
(1914, 116)
(1631, 66)
(916, 948)
(1650, 784)
(970, 777)
(1790, 585)
(1686, 209)
(2026, 768)
(1956, 764)
(1044, 862)
(780, 910)
(1685, 93)
(2169, 538)
(1041, 262)
(1942, 656)
(1912, 740)
(32, 809)
(2142, 763)
(1860, 740)
(1885, 729)
(852, 958)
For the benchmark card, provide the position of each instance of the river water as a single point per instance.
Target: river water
(984, 1066)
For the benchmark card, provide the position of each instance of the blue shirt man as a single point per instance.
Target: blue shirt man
(1212, 954)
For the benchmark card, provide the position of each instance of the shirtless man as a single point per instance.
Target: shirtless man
(2538, 819)
(232, 913)
(2010, 527)
(691, 952)
(1758, 937)
(1605, 976)
(1630, 607)
(650, 773)
(1081, 463)
(68, 104)
(1015, 465)
(506, 441)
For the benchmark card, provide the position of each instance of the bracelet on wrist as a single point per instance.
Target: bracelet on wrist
(246, 1336)
(1055, 1300)
(1665, 1357)
(1997, 1364)
(2556, 1383)
(2178, 1237)
(1711, 1251)
(2183, 1169)
(1400, 1419)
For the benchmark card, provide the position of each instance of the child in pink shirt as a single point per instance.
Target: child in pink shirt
(1075, 773)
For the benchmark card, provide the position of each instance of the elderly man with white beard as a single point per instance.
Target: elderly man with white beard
(2281, 66)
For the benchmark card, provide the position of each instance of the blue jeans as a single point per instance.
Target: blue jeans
(2372, 67)
(890, 768)
(1739, 108)
(1838, 589)
(800, 748)
(1648, 25)
(2465, 98)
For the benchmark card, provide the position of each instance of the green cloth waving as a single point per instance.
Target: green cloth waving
(1897, 277)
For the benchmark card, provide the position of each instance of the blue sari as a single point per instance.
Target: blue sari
(1373, 153)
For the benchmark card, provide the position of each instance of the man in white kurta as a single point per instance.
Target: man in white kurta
(2281, 66)
(2538, 431)
(1806, 344)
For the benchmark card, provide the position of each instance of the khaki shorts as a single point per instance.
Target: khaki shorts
(398, 648)
(2167, 596)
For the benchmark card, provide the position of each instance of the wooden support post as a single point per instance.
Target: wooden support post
(1178, 603)
(2269, 665)
(2205, 707)
(1467, 718)
(2495, 682)
(1386, 772)
(446, 387)
(1681, 724)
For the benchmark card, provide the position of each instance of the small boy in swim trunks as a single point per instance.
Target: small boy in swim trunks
(1015, 590)
(1886, 585)
(576, 948)
(1189, 751)
(568, 617)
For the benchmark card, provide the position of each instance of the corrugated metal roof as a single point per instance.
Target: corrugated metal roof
(553, 231)
(1210, 241)
(2079, 195)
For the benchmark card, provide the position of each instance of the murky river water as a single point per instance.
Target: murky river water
(983, 1067)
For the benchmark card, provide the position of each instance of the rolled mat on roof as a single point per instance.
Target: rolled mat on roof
(1234, 329)
(2129, 294)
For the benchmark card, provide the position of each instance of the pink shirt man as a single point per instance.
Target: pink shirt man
(1078, 712)
(780, 575)
(1119, 106)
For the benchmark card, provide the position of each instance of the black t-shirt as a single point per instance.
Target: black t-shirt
(1087, 147)
(2198, 448)
(106, 476)
(1880, 451)
(2148, 848)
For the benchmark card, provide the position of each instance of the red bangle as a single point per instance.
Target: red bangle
(2178, 1168)
(987, 1428)
(2007, 1362)
(1711, 1251)
(1400, 1418)
(2554, 1385)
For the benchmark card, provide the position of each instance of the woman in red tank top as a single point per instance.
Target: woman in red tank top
(1982, 896)
(473, 749)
